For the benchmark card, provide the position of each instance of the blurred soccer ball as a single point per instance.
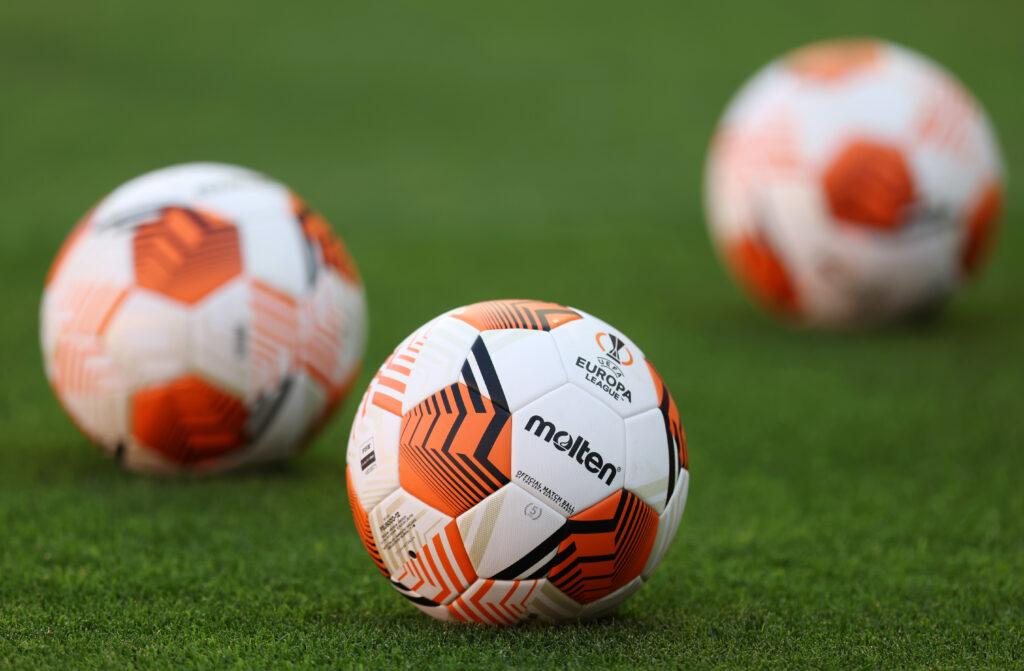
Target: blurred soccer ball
(515, 460)
(853, 182)
(201, 317)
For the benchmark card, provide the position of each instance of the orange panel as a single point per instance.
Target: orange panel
(189, 421)
(869, 185)
(455, 449)
(516, 314)
(762, 272)
(185, 254)
(835, 59)
(606, 547)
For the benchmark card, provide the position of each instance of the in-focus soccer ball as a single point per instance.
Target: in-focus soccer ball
(853, 182)
(515, 460)
(201, 317)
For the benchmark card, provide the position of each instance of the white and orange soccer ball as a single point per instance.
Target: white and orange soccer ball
(517, 460)
(853, 182)
(202, 317)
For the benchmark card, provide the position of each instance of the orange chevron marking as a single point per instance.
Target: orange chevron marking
(762, 273)
(982, 225)
(834, 60)
(316, 230)
(455, 449)
(516, 314)
(869, 184)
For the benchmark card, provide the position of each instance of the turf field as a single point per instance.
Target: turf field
(856, 499)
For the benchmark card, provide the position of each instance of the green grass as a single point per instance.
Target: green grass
(856, 499)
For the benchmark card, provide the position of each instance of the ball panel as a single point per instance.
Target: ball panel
(568, 449)
(527, 364)
(147, 338)
(762, 273)
(869, 184)
(189, 421)
(454, 449)
(668, 524)
(373, 453)
(606, 365)
(81, 229)
(421, 548)
(515, 314)
(362, 522)
(281, 419)
(329, 248)
(185, 253)
(607, 546)
(507, 602)
(275, 252)
(441, 352)
(239, 337)
(504, 529)
(651, 461)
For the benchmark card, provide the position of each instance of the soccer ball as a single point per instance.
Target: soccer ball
(514, 460)
(853, 182)
(201, 317)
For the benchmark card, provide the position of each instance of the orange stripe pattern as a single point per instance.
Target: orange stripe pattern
(455, 449)
(319, 234)
(185, 254)
(495, 602)
(362, 521)
(441, 569)
(869, 184)
(188, 421)
(607, 546)
(516, 314)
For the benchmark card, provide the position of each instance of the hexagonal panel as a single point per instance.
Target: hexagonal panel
(527, 364)
(185, 254)
(605, 547)
(606, 364)
(568, 449)
(505, 528)
(147, 337)
(454, 449)
(869, 184)
(189, 421)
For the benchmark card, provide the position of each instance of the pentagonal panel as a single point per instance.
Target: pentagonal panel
(421, 548)
(525, 363)
(605, 547)
(189, 421)
(516, 314)
(606, 364)
(668, 524)
(274, 250)
(505, 528)
(607, 604)
(147, 337)
(568, 449)
(185, 254)
(454, 449)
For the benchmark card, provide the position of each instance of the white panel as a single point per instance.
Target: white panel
(607, 365)
(647, 458)
(568, 449)
(505, 527)
(668, 524)
(373, 453)
(610, 602)
(219, 339)
(527, 364)
(148, 339)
